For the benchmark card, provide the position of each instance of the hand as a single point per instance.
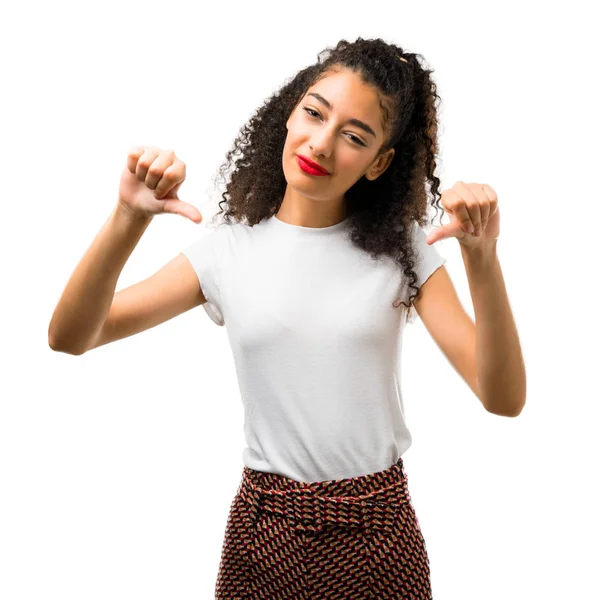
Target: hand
(150, 181)
(469, 205)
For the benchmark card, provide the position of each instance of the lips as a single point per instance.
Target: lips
(313, 165)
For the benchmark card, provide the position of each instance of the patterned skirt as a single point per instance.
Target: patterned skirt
(344, 539)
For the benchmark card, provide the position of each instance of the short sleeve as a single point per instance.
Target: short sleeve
(205, 254)
(429, 260)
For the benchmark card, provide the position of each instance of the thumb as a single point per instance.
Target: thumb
(178, 207)
(445, 231)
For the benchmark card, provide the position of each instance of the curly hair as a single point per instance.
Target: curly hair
(381, 212)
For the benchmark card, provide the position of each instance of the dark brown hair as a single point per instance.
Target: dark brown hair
(382, 212)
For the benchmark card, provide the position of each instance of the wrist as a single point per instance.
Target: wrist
(480, 254)
(126, 214)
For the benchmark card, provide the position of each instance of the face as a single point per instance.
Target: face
(333, 137)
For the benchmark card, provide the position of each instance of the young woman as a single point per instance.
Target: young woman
(320, 261)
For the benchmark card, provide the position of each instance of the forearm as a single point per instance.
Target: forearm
(500, 366)
(86, 300)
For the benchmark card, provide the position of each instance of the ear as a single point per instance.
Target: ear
(287, 123)
(380, 165)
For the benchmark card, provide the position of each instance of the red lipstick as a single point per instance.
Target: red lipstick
(311, 167)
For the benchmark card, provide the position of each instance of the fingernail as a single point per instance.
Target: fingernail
(471, 228)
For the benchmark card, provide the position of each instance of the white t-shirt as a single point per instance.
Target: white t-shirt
(316, 343)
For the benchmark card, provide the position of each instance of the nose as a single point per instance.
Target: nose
(322, 142)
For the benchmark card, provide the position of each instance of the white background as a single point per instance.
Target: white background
(118, 467)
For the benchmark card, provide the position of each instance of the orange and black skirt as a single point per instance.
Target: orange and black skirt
(344, 539)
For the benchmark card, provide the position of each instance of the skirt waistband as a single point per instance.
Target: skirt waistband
(368, 501)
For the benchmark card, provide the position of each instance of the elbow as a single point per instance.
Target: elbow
(53, 343)
(509, 403)
(517, 412)
(53, 340)
(506, 409)
(57, 346)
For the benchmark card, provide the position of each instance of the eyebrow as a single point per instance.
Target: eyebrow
(356, 122)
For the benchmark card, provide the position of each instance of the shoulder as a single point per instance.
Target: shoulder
(221, 233)
(428, 255)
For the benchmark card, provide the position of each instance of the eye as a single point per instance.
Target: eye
(311, 112)
(315, 114)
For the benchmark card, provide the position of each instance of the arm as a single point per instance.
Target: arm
(499, 360)
(487, 353)
(84, 305)
(171, 291)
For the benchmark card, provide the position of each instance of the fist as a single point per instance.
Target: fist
(150, 182)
